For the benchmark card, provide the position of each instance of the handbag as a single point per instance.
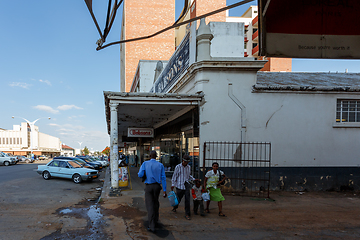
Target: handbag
(174, 201)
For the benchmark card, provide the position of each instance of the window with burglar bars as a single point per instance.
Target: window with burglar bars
(348, 110)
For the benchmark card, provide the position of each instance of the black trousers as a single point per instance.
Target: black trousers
(198, 203)
(152, 192)
(180, 193)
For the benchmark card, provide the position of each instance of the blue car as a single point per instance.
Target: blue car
(65, 168)
(96, 165)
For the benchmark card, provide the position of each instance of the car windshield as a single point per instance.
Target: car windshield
(80, 161)
(75, 164)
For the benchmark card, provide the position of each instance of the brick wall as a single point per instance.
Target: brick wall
(142, 18)
(278, 65)
(205, 6)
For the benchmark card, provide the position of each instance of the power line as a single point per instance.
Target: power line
(176, 25)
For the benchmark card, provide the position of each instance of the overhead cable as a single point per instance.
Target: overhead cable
(176, 25)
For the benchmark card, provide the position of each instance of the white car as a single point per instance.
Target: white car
(6, 159)
(102, 162)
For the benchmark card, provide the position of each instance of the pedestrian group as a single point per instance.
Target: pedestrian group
(186, 186)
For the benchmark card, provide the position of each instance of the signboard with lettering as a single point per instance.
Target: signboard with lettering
(176, 66)
(309, 28)
(141, 132)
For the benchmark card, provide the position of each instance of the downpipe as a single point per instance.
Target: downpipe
(242, 111)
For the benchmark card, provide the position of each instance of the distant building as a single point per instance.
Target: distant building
(67, 151)
(251, 42)
(18, 141)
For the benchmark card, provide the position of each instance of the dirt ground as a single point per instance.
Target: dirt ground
(287, 215)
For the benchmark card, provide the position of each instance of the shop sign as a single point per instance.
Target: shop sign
(310, 28)
(140, 132)
(176, 66)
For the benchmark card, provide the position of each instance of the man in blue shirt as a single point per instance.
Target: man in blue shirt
(155, 176)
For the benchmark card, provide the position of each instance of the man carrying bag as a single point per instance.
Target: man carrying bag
(155, 176)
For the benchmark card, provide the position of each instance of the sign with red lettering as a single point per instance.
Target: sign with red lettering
(310, 28)
(140, 132)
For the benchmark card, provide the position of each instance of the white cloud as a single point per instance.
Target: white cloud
(68, 107)
(20, 84)
(46, 109)
(45, 81)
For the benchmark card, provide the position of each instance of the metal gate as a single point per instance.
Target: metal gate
(247, 166)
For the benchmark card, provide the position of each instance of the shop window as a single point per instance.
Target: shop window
(348, 111)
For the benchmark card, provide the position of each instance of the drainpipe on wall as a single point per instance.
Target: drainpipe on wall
(242, 111)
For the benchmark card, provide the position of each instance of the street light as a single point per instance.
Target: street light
(32, 129)
(80, 146)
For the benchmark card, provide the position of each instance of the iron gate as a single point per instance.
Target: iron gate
(247, 166)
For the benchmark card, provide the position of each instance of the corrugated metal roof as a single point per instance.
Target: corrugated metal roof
(299, 81)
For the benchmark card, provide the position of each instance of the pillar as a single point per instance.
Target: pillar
(203, 38)
(114, 146)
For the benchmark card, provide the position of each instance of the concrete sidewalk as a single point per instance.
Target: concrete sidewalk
(288, 215)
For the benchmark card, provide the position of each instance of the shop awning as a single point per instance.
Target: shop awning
(148, 110)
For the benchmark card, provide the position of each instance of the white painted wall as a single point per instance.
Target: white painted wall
(228, 39)
(47, 141)
(147, 73)
(300, 126)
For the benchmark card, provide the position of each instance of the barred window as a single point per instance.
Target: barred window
(347, 110)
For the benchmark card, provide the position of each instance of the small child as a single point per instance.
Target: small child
(196, 192)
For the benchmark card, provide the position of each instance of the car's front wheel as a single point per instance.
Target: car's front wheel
(77, 178)
(46, 175)
(6, 163)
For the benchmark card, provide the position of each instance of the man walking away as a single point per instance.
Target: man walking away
(155, 176)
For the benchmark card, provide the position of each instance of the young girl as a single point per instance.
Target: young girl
(212, 184)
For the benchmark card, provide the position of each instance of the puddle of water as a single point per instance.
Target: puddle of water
(65, 211)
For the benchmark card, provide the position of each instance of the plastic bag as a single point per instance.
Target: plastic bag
(174, 201)
(205, 196)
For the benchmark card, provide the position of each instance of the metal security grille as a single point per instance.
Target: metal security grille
(347, 110)
(247, 166)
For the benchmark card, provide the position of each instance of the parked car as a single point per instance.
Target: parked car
(96, 165)
(103, 162)
(78, 160)
(7, 160)
(70, 169)
(42, 157)
(25, 159)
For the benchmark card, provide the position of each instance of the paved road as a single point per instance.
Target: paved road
(30, 207)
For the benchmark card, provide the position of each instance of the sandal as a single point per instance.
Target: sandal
(187, 217)
(174, 209)
(207, 211)
(221, 214)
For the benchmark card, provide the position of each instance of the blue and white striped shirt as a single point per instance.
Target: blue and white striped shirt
(181, 175)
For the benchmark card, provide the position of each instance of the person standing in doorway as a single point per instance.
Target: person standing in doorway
(180, 180)
(154, 182)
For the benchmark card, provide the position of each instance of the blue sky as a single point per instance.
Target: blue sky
(49, 67)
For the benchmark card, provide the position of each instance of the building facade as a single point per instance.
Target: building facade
(67, 151)
(312, 121)
(251, 42)
(209, 92)
(22, 141)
